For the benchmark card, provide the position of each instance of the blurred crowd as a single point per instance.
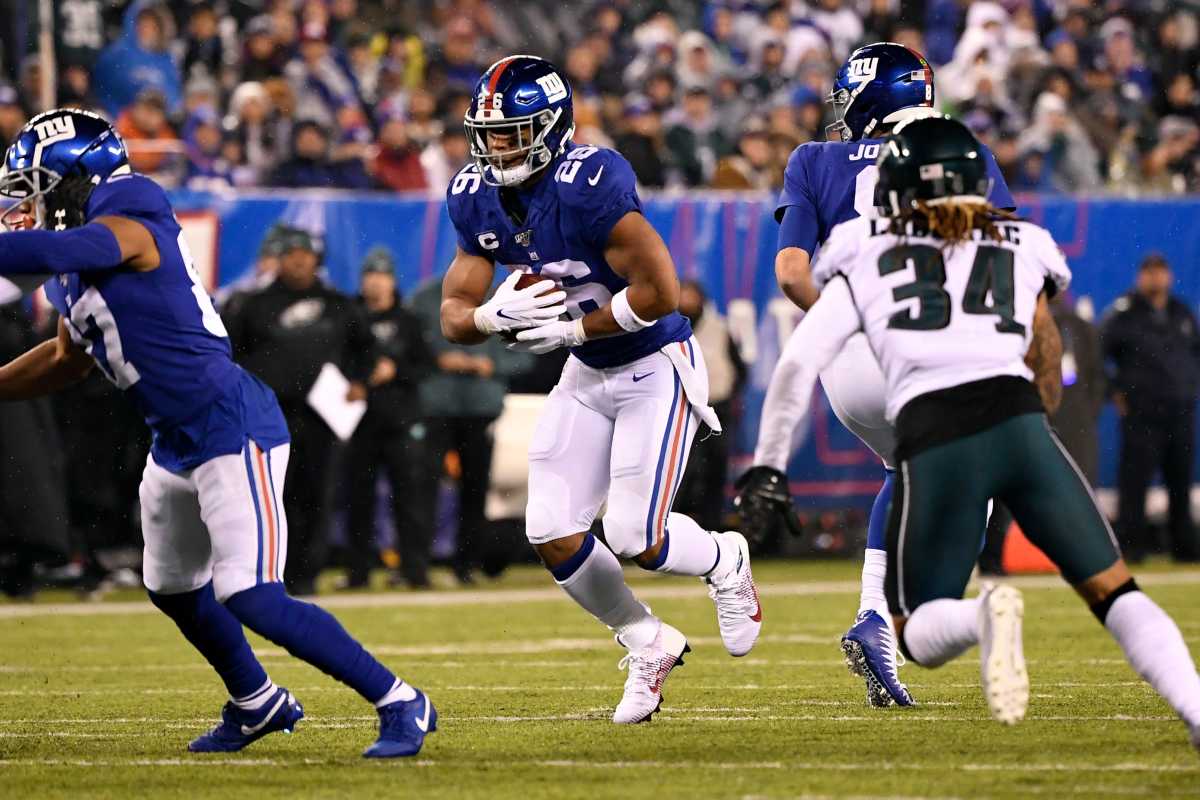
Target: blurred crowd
(1072, 95)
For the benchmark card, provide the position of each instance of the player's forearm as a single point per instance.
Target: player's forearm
(40, 371)
(458, 322)
(641, 306)
(87, 248)
(793, 272)
(1045, 357)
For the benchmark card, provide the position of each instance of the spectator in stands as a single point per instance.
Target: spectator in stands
(252, 121)
(137, 61)
(153, 145)
(643, 144)
(75, 87)
(699, 65)
(752, 166)
(840, 23)
(320, 83)
(309, 165)
(702, 493)
(204, 51)
(79, 31)
(392, 435)
(443, 158)
(1152, 343)
(456, 66)
(202, 138)
(285, 334)
(462, 398)
(694, 138)
(1057, 153)
(661, 91)
(397, 163)
(1173, 164)
(12, 115)
(767, 71)
(262, 55)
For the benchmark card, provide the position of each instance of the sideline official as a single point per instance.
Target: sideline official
(392, 435)
(284, 334)
(1151, 340)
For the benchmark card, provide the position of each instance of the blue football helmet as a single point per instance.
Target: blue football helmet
(56, 145)
(880, 84)
(522, 104)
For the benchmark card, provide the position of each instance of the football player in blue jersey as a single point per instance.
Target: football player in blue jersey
(618, 426)
(826, 183)
(131, 303)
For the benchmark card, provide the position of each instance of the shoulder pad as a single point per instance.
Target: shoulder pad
(589, 176)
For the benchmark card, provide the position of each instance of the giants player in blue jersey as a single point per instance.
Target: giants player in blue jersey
(827, 183)
(618, 426)
(131, 304)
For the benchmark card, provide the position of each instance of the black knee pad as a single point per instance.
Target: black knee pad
(1101, 609)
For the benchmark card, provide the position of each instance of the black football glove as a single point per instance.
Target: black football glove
(763, 500)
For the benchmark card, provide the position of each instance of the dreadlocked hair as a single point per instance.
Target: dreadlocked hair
(69, 196)
(952, 220)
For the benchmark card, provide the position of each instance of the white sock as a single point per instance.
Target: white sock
(1155, 648)
(941, 630)
(400, 691)
(256, 700)
(691, 550)
(599, 586)
(873, 573)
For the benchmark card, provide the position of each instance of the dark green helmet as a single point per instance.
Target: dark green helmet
(929, 159)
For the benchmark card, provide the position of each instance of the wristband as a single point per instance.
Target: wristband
(624, 314)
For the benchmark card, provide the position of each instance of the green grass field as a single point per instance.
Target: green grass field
(100, 700)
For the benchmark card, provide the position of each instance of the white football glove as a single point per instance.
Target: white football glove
(514, 309)
(550, 336)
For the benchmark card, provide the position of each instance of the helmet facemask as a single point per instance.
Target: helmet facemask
(26, 190)
(524, 141)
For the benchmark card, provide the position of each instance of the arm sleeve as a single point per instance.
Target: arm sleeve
(836, 254)
(796, 209)
(87, 248)
(999, 195)
(812, 347)
(601, 205)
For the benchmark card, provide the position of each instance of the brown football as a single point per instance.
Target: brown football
(528, 279)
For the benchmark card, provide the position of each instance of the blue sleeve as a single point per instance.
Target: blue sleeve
(796, 210)
(132, 195)
(86, 248)
(602, 189)
(999, 196)
(797, 229)
(459, 210)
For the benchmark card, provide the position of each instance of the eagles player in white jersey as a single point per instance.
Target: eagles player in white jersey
(952, 296)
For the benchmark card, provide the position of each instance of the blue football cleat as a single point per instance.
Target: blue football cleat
(239, 728)
(870, 651)
(403, 726)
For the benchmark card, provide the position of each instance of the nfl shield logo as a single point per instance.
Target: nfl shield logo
(524, 238)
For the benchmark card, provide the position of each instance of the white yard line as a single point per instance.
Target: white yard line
(500, 597)
(575, 764)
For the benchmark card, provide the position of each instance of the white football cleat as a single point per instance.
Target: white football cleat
(648, 670)
(1002, 655)
(739, 614)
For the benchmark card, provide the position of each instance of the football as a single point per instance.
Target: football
(528, 279)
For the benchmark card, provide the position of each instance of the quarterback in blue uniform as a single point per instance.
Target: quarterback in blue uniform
(617, 428)
(130, 303)
(825, 184)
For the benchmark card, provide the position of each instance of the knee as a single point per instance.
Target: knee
(189, 603)
(263, 609)
(627, 532)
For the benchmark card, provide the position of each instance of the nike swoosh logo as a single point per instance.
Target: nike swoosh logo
(500, 313)
(757, 615)
(637, 378)
(423, 722)
(592, 181)
(250, 730)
